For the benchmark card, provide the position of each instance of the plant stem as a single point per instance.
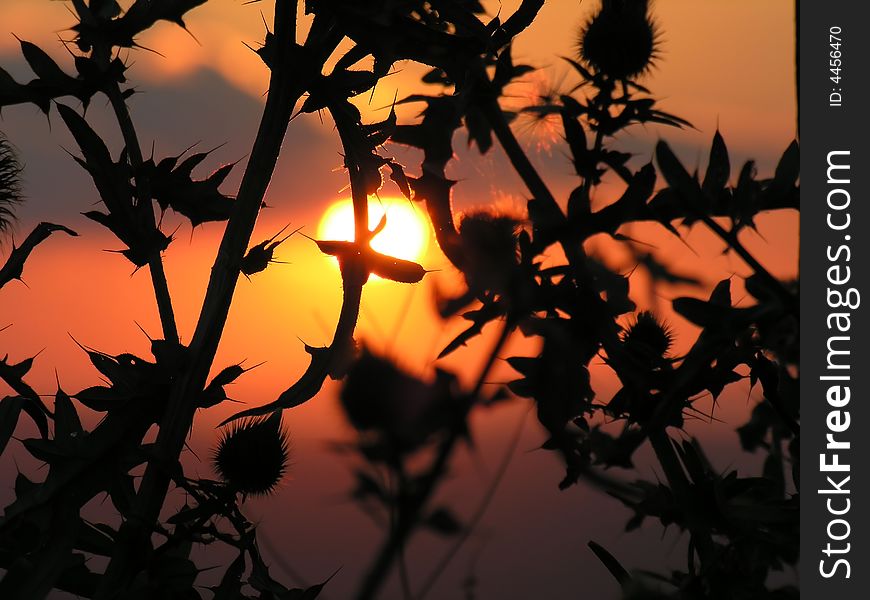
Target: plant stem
(552, 218)
(408, 517)
(681, 486)
(730, 238)
(143, 196)
(518, 158)
(466, 532)
(132, 544)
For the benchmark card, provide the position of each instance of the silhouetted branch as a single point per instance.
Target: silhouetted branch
(286, 86)
(520, 161)
(789, 301)
(409, 514)
(548, 217)
(518, 21)
(155, 262)
(14, 266)
(476, 516)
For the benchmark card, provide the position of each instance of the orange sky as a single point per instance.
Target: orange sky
(726, 62)
(722, 63)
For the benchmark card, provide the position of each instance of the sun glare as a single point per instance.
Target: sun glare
(406, 234)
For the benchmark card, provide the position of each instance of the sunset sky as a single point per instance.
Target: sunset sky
(722, 64)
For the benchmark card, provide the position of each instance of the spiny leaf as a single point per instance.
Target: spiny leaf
(230, 587)
(395, 269)
(680, 181)
(617, 570)
(788, 168)
(310, 593)
(94, 150)
(228, 375)
(721, 294)
(66, 419)
(43, 65)
(101, 399)
(173, 186)
(14, 266)
(505, 70)
(10, 408)
(382, 265)
(305, 388)
(258, 257)
(214, 392)
(34, 407)
(139, 17)
(719, 167)
(631, 205)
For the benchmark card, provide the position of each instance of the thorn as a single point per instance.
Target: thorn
(251, 368)
(274, 245)
(279, 233)
(142, 329)
(135, 45)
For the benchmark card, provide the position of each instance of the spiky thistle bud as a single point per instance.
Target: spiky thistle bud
(648, 339)
(251, 456)
(10, 183)
(619, 40)
(490, 244)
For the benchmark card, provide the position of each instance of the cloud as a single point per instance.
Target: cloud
(203, 110)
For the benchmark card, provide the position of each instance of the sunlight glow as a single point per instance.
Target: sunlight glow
(405, 236)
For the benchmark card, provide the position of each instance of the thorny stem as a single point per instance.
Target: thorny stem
(517, 156)
(775, 285)
(392, 489)
(466, 532)
(284, 91)
(552, 217)
(143, 194)
(425, 487)
(353, 275)
(679, 483)
(573, 250)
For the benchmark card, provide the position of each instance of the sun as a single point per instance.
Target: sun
(406, 234)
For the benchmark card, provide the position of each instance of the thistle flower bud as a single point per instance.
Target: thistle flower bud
(401, 410)
(648, 338)
(251, 456)
(491, 247)
(619, 40)
(10, 183)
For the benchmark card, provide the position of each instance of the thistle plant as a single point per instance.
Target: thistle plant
(251, 456)
(739, 529)
(10, 184)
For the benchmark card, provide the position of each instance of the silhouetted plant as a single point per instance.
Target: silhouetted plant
(740, 528)
(10, 184)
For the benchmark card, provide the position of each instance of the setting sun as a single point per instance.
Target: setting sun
(406, 234)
